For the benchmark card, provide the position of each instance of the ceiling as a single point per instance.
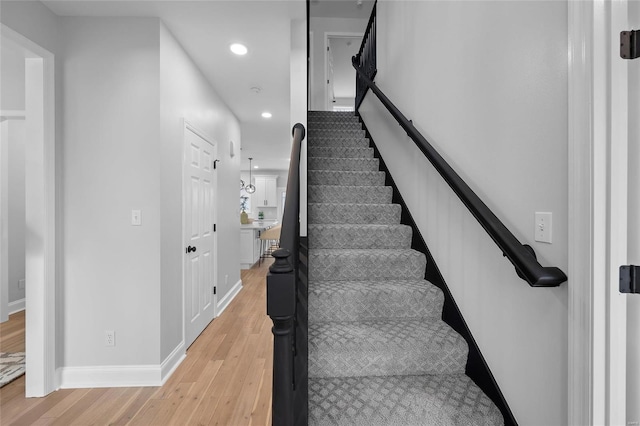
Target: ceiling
(206, 28)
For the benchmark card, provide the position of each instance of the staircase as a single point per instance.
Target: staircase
(379, 353)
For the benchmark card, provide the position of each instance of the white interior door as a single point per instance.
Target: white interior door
(199, 236)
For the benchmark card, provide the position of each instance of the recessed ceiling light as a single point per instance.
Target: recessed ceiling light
(266, 114)
(256, 167)
(238, 49)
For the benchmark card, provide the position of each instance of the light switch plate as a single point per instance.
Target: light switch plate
(136, 217)
(543, 227)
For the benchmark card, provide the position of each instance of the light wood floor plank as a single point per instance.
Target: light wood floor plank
(225, 379)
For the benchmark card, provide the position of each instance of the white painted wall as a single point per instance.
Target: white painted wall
(185, 93)
(299, 102)
(633, 301)
(498, 113)
(112, 164)
(318, 27)
(16, 216)
(11, 79)
(12, 98)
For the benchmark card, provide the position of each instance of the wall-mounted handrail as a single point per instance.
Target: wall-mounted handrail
(281, 293)
(522, 256)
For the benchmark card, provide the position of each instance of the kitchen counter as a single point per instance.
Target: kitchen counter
(259, 224)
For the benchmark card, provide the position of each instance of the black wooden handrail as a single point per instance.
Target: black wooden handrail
(281, 292)
(522, 256)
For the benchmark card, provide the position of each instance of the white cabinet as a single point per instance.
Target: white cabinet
(249, 247)
(265, 195)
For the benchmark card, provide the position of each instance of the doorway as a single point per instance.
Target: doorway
(199, 226)
(40, 213)
(340, 92)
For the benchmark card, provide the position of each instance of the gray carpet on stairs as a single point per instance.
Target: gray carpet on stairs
(379, 352)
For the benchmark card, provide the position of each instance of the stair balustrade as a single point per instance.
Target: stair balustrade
(286, 294)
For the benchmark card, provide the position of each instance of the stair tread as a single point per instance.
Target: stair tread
(385, 347)
(446, 400)
(331, 301)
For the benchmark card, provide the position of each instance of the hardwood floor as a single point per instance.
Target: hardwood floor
(12, 333)
(225, 379)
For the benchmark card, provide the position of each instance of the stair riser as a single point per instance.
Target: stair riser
(349, 194)
(373, 214)
(355, 237)
(321, 177)
(328, 302)
(340, 152)
(343, 164)
(339, 133)
(338, 142)
(338, 266)
(335, 125)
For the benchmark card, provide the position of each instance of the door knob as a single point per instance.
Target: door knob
(191, 249)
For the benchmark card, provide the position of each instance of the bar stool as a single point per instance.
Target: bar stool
(269, 241)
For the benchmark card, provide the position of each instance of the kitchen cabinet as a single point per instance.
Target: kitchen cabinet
(249, 247)
(265, 195)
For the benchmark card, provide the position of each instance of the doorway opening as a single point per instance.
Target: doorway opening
(39, 213)
(339, 72)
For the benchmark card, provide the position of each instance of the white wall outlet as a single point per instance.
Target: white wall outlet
(136, 217)
(543, 227)
(226, 280)
(109, 338)
(21, 283)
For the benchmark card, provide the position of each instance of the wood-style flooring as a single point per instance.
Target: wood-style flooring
(225, 379)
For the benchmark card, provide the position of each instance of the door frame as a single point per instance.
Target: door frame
(189, 127)
(327, 36)
(597, 167)
(40, 196)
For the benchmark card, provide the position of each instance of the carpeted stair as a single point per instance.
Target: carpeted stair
(379, 353)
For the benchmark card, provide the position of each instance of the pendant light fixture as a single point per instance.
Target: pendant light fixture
(251, 188)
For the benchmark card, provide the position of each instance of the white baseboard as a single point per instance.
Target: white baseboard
(172, 362)
(16, 306)
(222, 304)
(121, 375)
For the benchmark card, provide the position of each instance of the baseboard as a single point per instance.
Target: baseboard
(16, 306)
(116, 376)
(222, 304)
(172, 362)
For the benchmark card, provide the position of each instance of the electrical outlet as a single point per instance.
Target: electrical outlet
(21, 283)
(226, 280)
(109, 338)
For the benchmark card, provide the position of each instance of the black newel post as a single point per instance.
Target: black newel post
(281, 293)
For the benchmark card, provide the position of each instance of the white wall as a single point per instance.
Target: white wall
(11, 79)
(320, 26)
(298, 93)
(16, 216)
(496, 109)
(12, 98)
(633, 301)
(185, 93)
(112, 165)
